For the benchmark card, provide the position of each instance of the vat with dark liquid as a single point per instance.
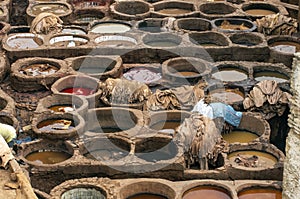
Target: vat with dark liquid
(241, 136)
(47, 157)
(146, 196)
(207, 192)
(260, 193)
(55, 124)
(79, 91)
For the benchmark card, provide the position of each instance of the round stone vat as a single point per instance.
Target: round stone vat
(105, 149)
(89, 188)
(7, 103)
(166, 121)
(131, 10)
(185, 70)
(161, 40)
(68, 40)
(227, 72)
(83, 17)
(57, 125)
(100, 67)
(115, 41)
(282, 49)
(175, 9)
(192, 24)
(212, 10)
(114, 120)
(46, 153)
(233, 95)
(247, 132)
(147, 189)
(61, 9)
(37, 73)
(259, 9)
(63, 103)
(73, 29)
(10, 119)
(154, 25)
(233, 25)
(23, 41)
(259, 191)
(88, 3)
(246, 39)
(255, 161)
(277, 72)
(148, 74)
(156, 149)
(83, 85)
(209, 39)
(211, 189)
(105, 27)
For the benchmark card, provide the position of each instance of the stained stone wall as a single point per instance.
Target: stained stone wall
(291, 174)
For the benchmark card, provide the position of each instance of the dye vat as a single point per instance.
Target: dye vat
(47, 157)
(88, 3)
(162, 40)
(106, 149)
(246, 39)
(260, 193)
(55, 8)
(84, 192)
(62, 108)
(216, 8)
(115, 41)
(85, 19)
(208, 38)
(192, 24)
(207, 192)
(153, 25)
(233, 25)
(55, 124)
(39, 69)
(110, 27)
(24, 41)
(230, 75)
(142, 74)
(259, 9)
(68, 41)
(268, 75)
(258, 12)
(165, 125)
(252, 159)
(163, 149)
(173, 11)
(146, 196)
(229, 96)
(285, 46)
(241, 136)
(79, 91)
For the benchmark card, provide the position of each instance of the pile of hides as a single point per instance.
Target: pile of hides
(122, 91)
(277, 24)
(201, 140)
(267, 98)
(46, 23)
(184, 97)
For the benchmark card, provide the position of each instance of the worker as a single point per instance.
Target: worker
(218, 109)
(9, 134)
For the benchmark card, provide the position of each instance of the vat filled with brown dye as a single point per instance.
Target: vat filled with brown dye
(193, 24)
(47, 157)
(260, 193)
(174, 9)
(55, 124)
(241, 136)
(259, 9)
(207, 192)
(185, 70)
